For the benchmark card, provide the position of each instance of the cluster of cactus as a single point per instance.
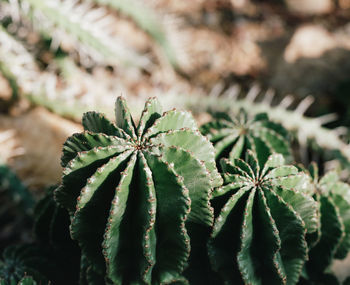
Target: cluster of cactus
(145, 204)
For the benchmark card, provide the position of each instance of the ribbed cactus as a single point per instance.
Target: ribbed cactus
(131, 190)
(233, 135)
(333, 239)
(51, 229)
(22, 260)
(259, 233)
(27, 280)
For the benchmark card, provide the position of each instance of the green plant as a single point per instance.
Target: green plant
(51, 230)
(307, 131)
(144, 204)
(146, 182)
(332, 240)
(27, 280)
(22, 260)
(17, 206)
(259, 233)
(233, 135)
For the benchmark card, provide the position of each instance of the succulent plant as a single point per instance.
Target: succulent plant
(333, 238)
(131, 191)
(233, 135)
(27, 280)
(16, 208)
(22, 260)
(259, 233)
(51, 229)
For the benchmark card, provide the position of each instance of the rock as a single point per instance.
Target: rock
(310, 7)
(309, 41)
(39, 135)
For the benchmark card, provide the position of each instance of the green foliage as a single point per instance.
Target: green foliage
(16, 208)
(333, 238)
(10, 183)
(144, 204)
(232, 136)
(259, 232)
(22, 260)
(131, 190)
(51, 229)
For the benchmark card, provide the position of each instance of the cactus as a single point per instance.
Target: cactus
(51, 229)
(27, 280)
(131, 191)
(22, 260)
(16, 208)
(333, 239)
(233, 135)
(259, 233)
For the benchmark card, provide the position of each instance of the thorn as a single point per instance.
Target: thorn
(325, 119)
(253, 93)
(304, 104)
(216, 90)
(270, 93)
(232, 92)
(286, 102)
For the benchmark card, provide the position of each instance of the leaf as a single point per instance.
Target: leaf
(77, 171)
(117, 237)
(87, 227)
(244, 257)
(151, 112)
(86, 141)
(173, 207)
(332, 232)
(267, 258)
(273, 161)
(171, 120)
(281, 171)
(344, 213)
(98, 123)
(304, 205)
(123, 118)
(196, 144)
(237, 149)
(225, 239)
(195, 178)
(291, 232)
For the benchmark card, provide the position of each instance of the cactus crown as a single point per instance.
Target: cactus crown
(145, 182)
(260, 205)
(233, 135)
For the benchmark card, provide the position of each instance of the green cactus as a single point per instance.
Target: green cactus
(27, 280)
(16, 208)
(22, 260)
(131, 191)
(259, 233)
(51, 229)
(233, 135)
(333, 238)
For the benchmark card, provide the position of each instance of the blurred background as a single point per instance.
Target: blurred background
(60, 58)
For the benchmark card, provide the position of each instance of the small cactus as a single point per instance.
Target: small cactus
(19, 261)
(259, 233)
(333, 238)
(131, 190)
(233, 135)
